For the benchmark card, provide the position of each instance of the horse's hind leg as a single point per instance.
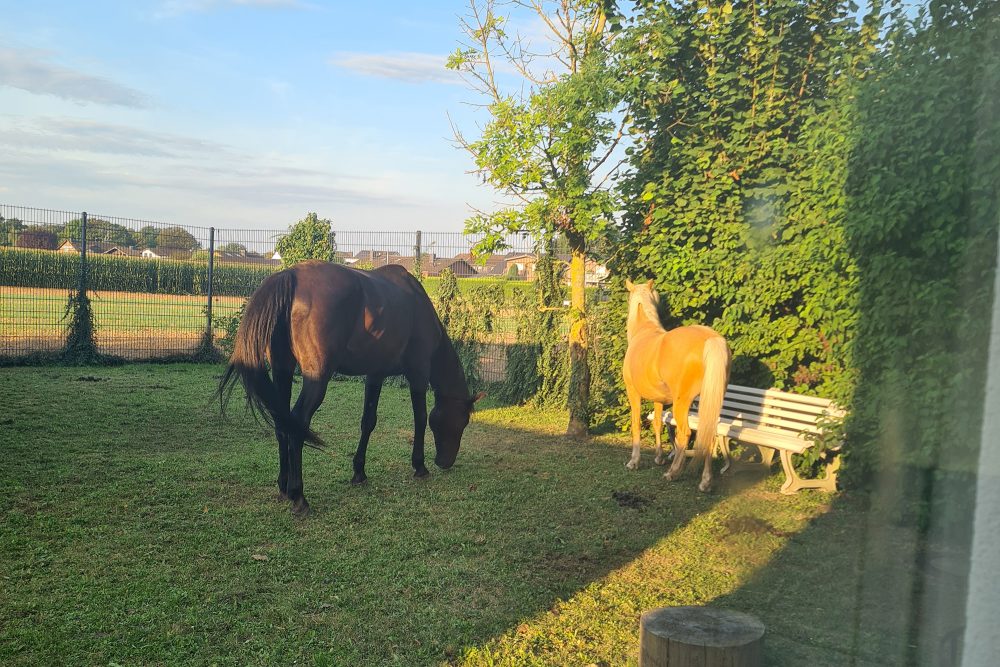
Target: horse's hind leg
(283, 385)
(658, 432)
(373, 389)
(635, 404)
(310, 398)
(683, 435)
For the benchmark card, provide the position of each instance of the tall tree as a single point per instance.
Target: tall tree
(549, 142)
(176, 237)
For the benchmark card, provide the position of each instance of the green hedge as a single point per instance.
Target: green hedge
(47, 269)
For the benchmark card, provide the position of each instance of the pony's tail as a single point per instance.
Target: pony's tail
(264, 333)
(715, 357)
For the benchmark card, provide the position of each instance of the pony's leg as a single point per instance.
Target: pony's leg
(658, 432)
(283, 385)
(706, 472)
(683, 435)
(418, 397)
(635, 403)
(373, 389)
(310, 398)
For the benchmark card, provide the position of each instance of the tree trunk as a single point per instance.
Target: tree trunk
(700, 637)
(579, 368)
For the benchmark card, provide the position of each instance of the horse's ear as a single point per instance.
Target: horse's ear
(629, 285)
(649, 283)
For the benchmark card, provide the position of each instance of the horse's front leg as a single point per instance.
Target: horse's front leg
(418, 397)
(373, 389)
(635, 404)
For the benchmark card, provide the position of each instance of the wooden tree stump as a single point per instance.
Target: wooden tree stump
(700, 636)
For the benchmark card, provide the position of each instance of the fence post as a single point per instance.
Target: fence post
(418, 269)
(211, 271)
(83, 252)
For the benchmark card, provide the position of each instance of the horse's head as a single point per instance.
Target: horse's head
(641, 296)
(448, 420)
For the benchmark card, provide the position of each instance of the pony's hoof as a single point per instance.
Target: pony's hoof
(421, 473)
(659, 460)
(705, 487)
(359, 479)
(669, 476)
(300, 510)
(632, 465)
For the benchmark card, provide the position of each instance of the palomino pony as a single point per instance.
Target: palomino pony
(673, 367)
(329, 318)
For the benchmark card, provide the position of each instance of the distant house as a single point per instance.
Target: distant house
(376, 258)
(166, 253)
(240, 258)
(524, 265)
(97, 248)
(432, 266)
(595, 272)
(492, 265)
(276, 256)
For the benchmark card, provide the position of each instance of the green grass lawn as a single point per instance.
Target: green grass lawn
(137, 527)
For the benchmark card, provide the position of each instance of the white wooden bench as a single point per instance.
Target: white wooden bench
(773, 420)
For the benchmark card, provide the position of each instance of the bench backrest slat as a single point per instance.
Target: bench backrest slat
(776, 410)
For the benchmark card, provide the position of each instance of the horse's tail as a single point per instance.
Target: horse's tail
(715, 358)
(265, 332)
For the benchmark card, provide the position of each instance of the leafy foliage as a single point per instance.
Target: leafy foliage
(309, 238)
(922, 227)
(736, 198)
(99, 230)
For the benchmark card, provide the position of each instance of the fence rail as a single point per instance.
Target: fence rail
(157, 289)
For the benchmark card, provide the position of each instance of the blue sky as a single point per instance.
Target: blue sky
(236, 113)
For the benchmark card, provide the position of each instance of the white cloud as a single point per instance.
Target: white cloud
(29, 70)
(411, 67)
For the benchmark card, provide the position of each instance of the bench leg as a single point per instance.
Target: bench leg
(795, 483)
(722, 444)
(766, 455)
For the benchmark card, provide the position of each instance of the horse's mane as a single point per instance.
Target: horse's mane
(641, 299)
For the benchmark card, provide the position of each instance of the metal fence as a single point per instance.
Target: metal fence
(157, 289)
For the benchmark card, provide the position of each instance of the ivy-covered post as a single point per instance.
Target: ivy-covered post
(83, 253)
(80, 346)
(579, 367)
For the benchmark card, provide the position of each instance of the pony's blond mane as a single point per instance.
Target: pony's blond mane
(642, 299)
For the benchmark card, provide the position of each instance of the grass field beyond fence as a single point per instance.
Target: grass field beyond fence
(138, 527)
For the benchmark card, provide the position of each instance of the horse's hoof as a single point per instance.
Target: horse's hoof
(359, 479)
(659, 460)
(421, 473)
(300, 510)
(705, 487)
(632, 465)
(669, 476)
(281, 496)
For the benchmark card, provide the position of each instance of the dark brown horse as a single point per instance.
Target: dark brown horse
(329, 318)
